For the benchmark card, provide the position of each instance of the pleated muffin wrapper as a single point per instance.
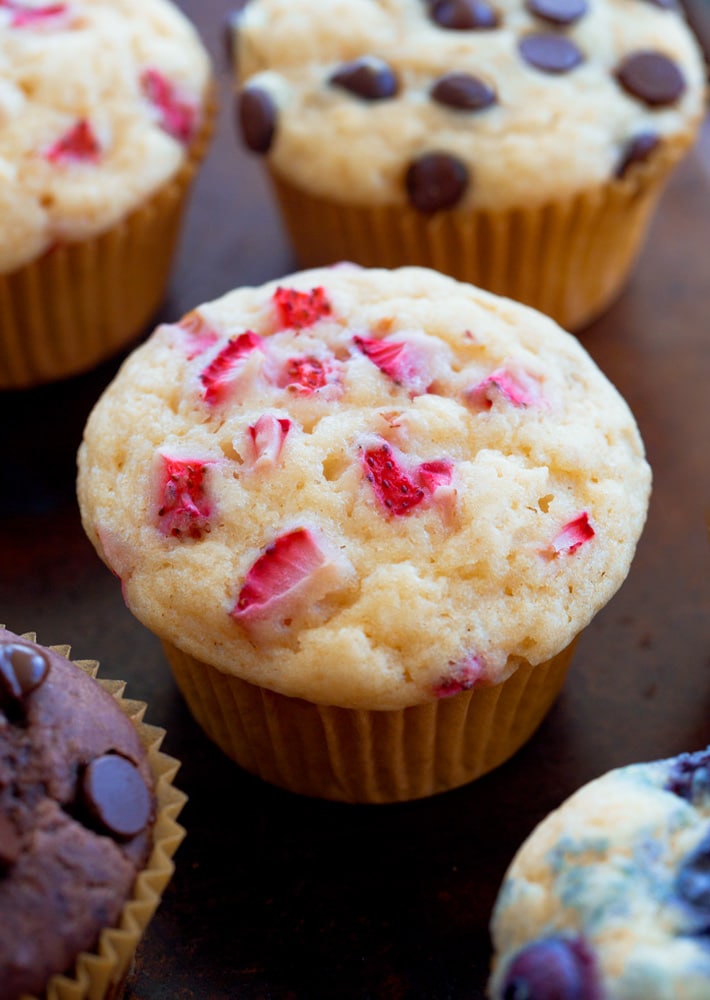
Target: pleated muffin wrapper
(568, 258)
(82, 302)
(368, 756)
(102, 973)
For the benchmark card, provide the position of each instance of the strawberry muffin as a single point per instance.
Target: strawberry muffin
(105, 112)
(520, 145)
(87, 825)
(367, 512)
(608, 898)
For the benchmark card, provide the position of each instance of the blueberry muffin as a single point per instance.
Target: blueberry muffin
(385, 496)
(608, 897)
(520, 145)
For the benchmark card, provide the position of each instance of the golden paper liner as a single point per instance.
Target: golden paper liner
(101, 974)
(358, 755)
(81, 303)
(568, 258)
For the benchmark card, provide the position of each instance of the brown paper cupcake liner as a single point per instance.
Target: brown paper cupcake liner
(101, 974)
(569, 259)
(81, 303)
(358, 755)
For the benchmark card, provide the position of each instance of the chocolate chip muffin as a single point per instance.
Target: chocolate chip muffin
(105, 112)
(520, 145)
(608, 897)
(78, 818)
(368, 512)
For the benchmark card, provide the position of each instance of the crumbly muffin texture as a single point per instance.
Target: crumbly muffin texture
(608, 897)
(364, 487)
(464, 103)
(76, 810)
(99, 100)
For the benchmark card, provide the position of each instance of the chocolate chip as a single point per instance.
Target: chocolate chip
(464, 15)
(23, 667)
(436, 181)
(651, 77)
(369, 78)
(257, 118)
(9, 844)
(558, 11)
(463, 91)
(637, 150)
(550, 53)
(115, 796)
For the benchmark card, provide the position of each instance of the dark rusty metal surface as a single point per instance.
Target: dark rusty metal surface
(290, 899)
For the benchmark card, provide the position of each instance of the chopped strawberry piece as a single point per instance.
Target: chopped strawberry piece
(432, 475)
(399, 360)
(23, 16)
(519, 389)
(268, 435)
(463, 677)
(200, 333)
(305, 375)
(397, 488)
(297, 310)
(223, 371)
(178, 116)
(288, 578)
(573, 534)
(78, 145)
(184, 508)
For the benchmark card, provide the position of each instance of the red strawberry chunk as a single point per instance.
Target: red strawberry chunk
(520, 390)
(282, 568)
(297, 310)
(463, 677)
(399, 360)
(223, 371)
(200, 334)
(573, 534)
(268, 435)
(432, 475)
(178, 116)
(306, 374)
(23, 16)
(398, 489)
(78, 145)
(184, 506)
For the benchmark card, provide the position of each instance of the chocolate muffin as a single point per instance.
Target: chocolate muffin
(77, 808)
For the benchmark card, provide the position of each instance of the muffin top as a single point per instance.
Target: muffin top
(76, 811)
(492, 104)
(608, 898)
(364, 487)
(99, 100)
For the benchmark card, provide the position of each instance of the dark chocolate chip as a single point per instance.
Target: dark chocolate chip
(229, 31)
(436, 181)
(23, 667)
(369, 78)
(652, 78)
(692, 886)
(257, 118)
(463, 91)
(689, 776)
(464, 15)
(9, 844)
(637, 150)
(550, 53)
(558, 11)
(115, 795)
